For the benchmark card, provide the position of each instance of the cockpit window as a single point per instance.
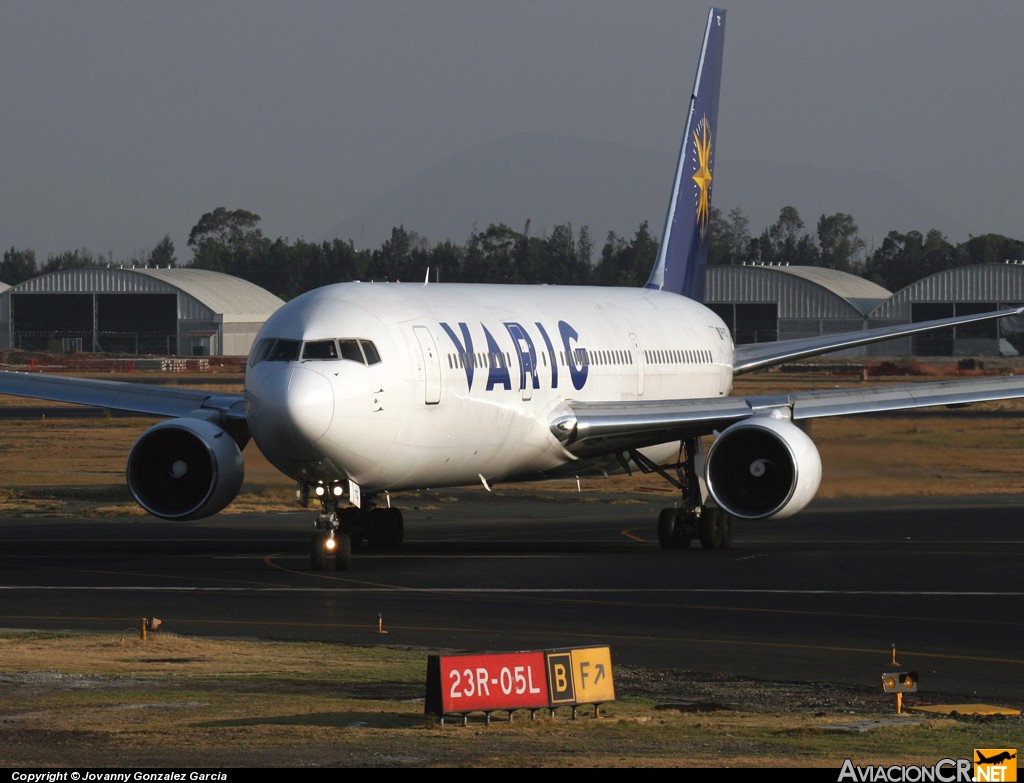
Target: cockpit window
(320, 349)
(260, 351)
(370, 350)
(284, 351)
(271, 349)
(350, 350)
(275, 349)
(362, 351)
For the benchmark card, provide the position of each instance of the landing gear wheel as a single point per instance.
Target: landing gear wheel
(667, 528)
(352, 521)
(342, 553)
(375, 531)
(710, 528)
(672, 529)
(385, 528)
(394, 527)
(317, 553)
(725, 525)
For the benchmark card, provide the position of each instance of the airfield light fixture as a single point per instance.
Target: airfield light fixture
(899, 683)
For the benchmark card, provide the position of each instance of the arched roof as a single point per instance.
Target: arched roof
(231, 296)
(860, 294)
(235, 299)
(997, 284)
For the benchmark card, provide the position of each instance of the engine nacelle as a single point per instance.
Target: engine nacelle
(763, 467)
(184, 469)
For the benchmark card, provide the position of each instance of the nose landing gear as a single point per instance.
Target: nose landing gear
(339, 531)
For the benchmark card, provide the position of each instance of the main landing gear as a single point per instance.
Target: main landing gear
(340, 531)
(692, 517)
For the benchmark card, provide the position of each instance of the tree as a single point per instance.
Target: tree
(223, 239)
(584, 248)
(69, 259)
(18, 266)
(840, 246)
(163, 253)
(491, 255)
(784, 235)
(624, 263)
(990, 249)
(906, 258)
(558, 261)
(729, 237)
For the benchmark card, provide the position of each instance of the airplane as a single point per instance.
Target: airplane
(996, 759)
(358, 390)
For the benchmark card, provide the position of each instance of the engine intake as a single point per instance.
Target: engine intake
(763, 468)
(184, 469)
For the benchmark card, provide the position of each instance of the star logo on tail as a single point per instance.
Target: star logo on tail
(702, 173)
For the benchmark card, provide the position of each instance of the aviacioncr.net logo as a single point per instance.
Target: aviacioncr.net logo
(943, 771)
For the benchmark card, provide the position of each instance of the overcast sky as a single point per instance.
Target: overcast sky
(123, 121)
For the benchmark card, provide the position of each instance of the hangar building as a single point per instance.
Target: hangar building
(763, 303)
(962, 290)
(165, 311)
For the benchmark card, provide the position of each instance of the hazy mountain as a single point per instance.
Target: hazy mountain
(552, 180)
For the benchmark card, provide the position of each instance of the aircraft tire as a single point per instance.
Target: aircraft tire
(394, 527)
(725, 525)
(353, 522)
(343, 553)
(667, 528)
(710, 528)
(316, 553)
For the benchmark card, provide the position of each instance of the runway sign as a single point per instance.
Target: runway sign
(531, 680)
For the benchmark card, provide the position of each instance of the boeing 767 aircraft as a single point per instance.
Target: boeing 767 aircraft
(357, 390)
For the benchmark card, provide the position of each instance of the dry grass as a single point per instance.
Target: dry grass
(76, 466)
(88, 700)
(114, 700)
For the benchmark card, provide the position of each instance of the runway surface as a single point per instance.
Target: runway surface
(821, 597)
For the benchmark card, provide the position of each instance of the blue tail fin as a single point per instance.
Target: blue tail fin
(681, 266)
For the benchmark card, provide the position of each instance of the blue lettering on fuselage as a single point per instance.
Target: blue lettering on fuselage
(574, 357)
(551, 354)
(497, 372)
(526, 354)
(463, 349)
(524, 348)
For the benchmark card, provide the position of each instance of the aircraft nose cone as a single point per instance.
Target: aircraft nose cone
(292, 410)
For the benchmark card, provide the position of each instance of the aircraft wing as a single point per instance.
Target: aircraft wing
(589, 429)
(124, 396)
(757, 356)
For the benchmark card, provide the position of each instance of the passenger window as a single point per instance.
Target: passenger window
(320, 349)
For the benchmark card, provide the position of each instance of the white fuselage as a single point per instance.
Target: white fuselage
(448, 384)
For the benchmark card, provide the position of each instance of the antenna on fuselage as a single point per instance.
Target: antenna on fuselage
(427, 278)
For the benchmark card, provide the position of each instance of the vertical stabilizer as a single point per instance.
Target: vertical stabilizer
(682, 258)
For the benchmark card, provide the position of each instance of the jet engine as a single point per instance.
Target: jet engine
(763, 467)
(184, 469)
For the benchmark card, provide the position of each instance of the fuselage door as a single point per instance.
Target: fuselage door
(639, 365)
(431, 365)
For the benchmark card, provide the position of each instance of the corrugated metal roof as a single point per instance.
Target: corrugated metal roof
(840, 283)
(1000, 284)
(768, 283)
(235, 299)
